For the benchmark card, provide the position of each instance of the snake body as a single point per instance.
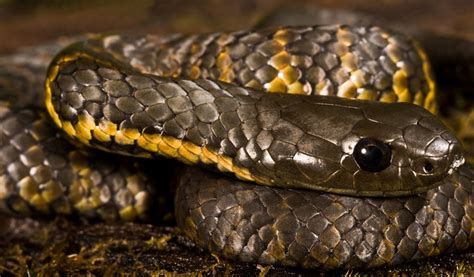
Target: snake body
(124, 94)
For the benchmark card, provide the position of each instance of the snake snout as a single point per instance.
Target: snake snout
(456, 155)
(430, 166)
(442, 157)
(454, 151)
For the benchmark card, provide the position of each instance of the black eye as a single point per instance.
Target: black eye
(372, 155)
(428, 167)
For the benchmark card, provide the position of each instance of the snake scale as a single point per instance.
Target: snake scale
(343, 183)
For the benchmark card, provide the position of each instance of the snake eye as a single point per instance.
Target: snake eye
(372, 155)
(428, 167)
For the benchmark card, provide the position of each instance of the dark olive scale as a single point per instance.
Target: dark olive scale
(351, 231)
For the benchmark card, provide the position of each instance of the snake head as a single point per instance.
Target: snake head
(406, 146)
(362, 148)
(434, 151)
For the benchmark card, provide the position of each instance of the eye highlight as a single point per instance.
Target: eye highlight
(372, 155)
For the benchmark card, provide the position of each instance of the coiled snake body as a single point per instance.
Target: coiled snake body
(361, 183)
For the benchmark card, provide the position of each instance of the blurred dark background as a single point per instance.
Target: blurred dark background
(29, 22)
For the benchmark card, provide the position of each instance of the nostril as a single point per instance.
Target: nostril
(428, 167)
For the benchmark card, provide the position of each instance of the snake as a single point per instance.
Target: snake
(311, 146)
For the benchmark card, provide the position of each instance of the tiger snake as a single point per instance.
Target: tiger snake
(343, 183)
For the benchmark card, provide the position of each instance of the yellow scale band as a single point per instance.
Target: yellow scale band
(429, 102)
(86, 129)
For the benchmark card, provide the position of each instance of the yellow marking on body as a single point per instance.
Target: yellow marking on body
(405, 96)
(345, 36)
(195, 47)
(147, 145)
(153, 138)
(393, 52)
(242, 173)
(51, 191)
(95, 197)
(349, 62)
(301, 61)
(324, 87)
(388, 97)
(128, 213)
(87, 120)
(347, 90)
(339, 48)
(83, 140)
(53, 72)
(400, 82)
(290, 74)
(85, 172)
(100, 135)
(82, 132)
(142, 200)
(224, 64)
(224, 163)
(84, 205)
(255, 84)
(108, 127)
(39, 203)
(130, 133)
(430, 103)
(299, 88)
(193, 148)
(168, 150)
(195, 72)
(280, 60)
(208, 156)
(72, 57)
(359, 78)
(133, 184)
(122, 139)
(76, 191)
(387, 252)
(190, 153)
(366, 94)
(172, 142)
(187, 155)
(4, 191)
(69, 128)
(84, 182)
(227, 76)
(283, 36)
(28, 188)
(276, 85)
